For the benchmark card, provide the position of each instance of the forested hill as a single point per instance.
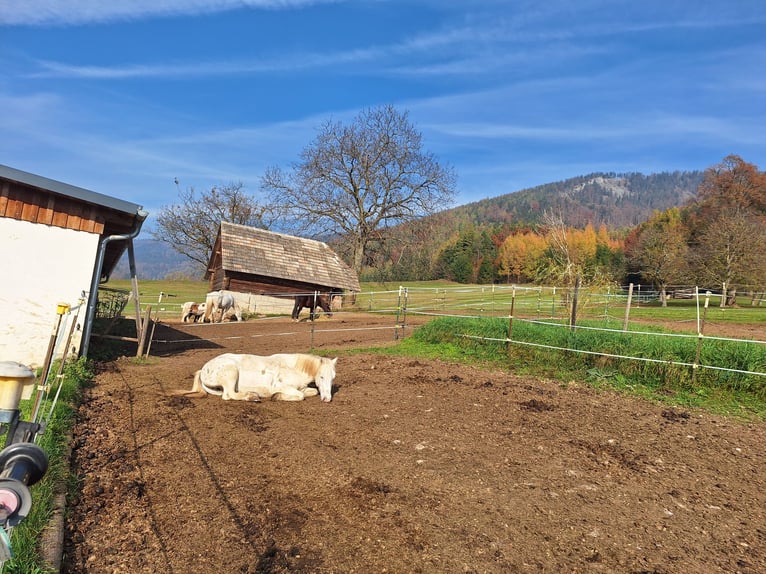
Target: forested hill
(616, 200)
(619, 201)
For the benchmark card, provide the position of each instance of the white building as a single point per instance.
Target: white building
(58, 242)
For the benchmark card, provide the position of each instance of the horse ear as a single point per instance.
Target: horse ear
(335, 360)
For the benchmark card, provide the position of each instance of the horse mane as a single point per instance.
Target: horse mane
(309, 364)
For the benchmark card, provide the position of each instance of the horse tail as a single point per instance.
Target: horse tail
(197, 390)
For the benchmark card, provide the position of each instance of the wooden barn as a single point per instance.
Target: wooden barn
(58, 242)
(259, 266)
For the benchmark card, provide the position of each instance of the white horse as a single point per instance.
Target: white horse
(223, 302)
(281, 377)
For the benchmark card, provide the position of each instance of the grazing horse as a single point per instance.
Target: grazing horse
(281, 377)
(223, 302)
(312, 303)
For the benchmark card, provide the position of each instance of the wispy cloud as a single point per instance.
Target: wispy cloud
(58, 13)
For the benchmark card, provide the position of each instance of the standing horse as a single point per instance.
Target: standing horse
(312, 302)
(223, 302)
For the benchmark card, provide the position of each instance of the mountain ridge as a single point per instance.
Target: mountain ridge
(617, 201)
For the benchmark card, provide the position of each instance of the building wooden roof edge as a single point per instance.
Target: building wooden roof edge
(79, 193)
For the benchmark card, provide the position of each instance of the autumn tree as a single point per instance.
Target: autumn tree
(518, 256)
(353, 180)
(727, 222)
(191, 225)
(734, 183)
(659, 252)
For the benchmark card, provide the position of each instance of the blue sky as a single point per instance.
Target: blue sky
(124, 97)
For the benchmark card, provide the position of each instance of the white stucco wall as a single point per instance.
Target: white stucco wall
(42, 267)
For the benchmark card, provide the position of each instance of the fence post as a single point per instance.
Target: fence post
(404, 310)
(312, 320)
(700, 329)
(510, 321)
(553, 302)
(627, 308)
(575, 296)
(398, 312)
(144, 332)
(539, 301)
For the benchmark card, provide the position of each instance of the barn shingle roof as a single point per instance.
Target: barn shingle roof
(259, 252)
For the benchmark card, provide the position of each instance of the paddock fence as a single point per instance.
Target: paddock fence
(692, 312)
(629, 312)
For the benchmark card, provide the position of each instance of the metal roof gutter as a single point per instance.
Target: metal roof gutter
(141, 216)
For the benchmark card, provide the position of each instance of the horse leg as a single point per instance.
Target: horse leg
(296, 309)
(227, 378)
(288, 395)
(310, 392)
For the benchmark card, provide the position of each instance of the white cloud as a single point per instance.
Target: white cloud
(74, 12)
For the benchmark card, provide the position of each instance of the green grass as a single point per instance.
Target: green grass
(25, 539)
(478, 300)
(658, 375)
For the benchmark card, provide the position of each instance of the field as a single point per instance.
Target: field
(417, 465)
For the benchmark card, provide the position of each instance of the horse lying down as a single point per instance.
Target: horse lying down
(281, 377)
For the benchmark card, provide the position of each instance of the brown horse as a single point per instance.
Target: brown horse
(312, 302)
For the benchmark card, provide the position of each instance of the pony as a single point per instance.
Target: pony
(191, 311)
(312, 302)
(281, 377)
(223, 302)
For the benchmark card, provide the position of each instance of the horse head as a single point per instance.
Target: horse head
(324, 378)
(324, 302)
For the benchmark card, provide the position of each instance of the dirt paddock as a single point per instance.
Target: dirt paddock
(415, 466)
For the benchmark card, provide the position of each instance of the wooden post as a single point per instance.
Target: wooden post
(553, 302)
(575, 296)
(539, 301)
(312, 320)
(627, 308)
(144, 331)
(510, 321)
(723, 295)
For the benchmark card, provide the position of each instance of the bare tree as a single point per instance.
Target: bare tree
(191, 225)
(732, 250)
(351, 181)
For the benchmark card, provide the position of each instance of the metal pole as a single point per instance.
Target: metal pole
(60, 372)
(60, 310)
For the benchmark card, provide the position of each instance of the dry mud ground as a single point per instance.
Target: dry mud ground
(415, 466)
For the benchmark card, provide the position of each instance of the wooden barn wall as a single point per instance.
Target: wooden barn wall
(261, 285)
(38, 206)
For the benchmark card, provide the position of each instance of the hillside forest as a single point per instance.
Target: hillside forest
(669, 229)
(707, 236)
